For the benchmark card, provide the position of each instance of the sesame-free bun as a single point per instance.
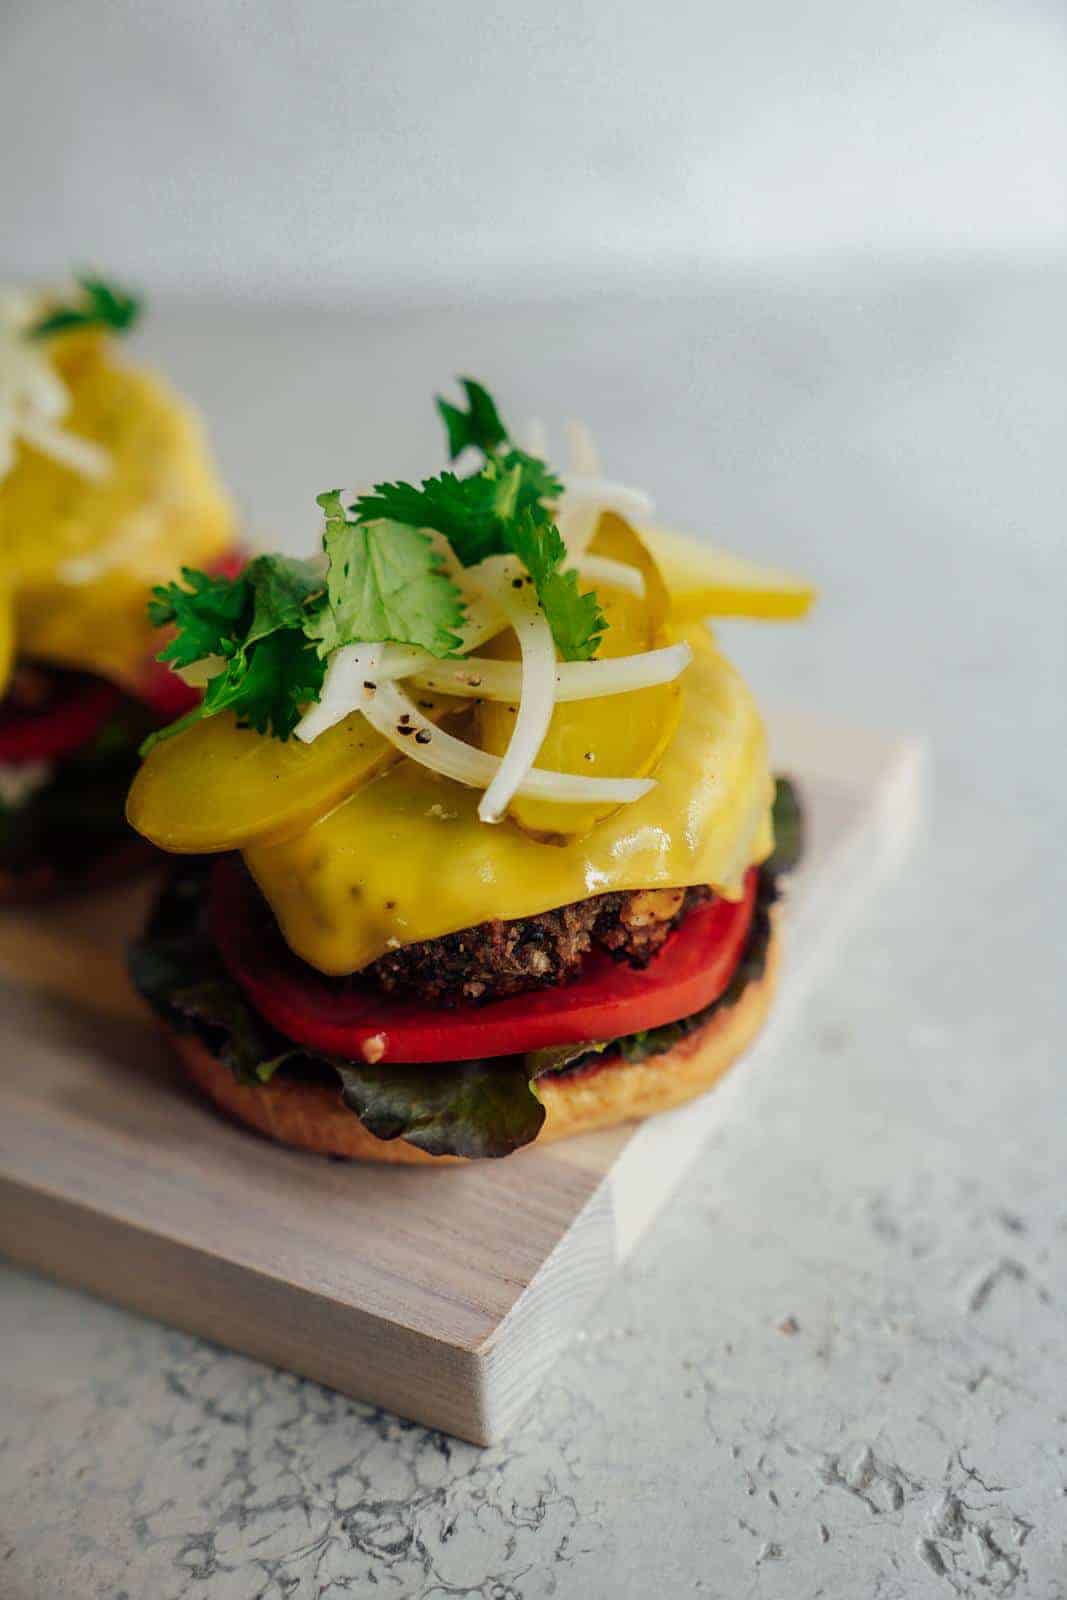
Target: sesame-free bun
(312, 1115)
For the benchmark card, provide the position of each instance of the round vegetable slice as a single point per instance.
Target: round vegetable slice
(350, 1017)
(706, 582)
(621, 737)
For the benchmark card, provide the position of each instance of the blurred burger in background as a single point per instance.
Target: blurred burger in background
(107, 487)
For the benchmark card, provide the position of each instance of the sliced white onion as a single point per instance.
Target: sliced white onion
(69, 449)
(198, 674)
(617, 574)
(483, 618)
(585, 497)
(585, 457)
(480, 678)
(398, 719)
(351, 667)
(515, 592)
(344, 689)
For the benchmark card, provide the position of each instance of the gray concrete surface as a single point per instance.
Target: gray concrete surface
(836, 1366)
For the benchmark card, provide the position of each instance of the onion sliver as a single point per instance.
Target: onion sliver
(397, 719)
(515, 592)
(583, 500)
(69, 449)
(479, 678)
(585, 457)
(356, 664)
(344, 689)
(602, 569)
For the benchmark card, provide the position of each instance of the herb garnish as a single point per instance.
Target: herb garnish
(102, 305)
(384, 581)
(272, 628)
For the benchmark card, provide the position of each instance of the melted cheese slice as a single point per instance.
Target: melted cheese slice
(406, 858)
(82, 554)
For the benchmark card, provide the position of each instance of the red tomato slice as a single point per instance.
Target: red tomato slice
(338, 1015)
(68, 719)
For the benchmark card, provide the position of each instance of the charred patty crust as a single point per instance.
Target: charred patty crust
(498, 958)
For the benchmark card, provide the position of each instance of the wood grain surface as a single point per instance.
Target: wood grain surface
(440, 1294)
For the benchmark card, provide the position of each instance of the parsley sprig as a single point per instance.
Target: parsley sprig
(101, 305)
(272, 628)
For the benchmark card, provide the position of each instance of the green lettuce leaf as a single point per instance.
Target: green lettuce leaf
(476, 1109)
(461, 1108)
(787, 815)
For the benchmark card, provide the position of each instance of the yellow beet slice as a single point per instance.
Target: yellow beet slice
(217, 786)
(621, 736)
(706, 582)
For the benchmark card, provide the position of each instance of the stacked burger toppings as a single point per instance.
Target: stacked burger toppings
(488, 806)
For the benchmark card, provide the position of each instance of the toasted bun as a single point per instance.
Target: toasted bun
(313, 1117)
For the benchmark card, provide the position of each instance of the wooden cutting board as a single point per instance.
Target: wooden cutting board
(444, 1294)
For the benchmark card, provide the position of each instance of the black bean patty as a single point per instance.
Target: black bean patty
(501, 958)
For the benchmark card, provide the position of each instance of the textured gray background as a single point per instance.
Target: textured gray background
(803, 270)
(332, 147)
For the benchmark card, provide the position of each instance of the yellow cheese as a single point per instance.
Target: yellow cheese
(706, 582)
(406, 858)
(81, 553)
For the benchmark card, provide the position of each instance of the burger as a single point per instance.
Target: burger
(106, 487)
(479, 842)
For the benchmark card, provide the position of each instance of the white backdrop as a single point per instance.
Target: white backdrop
(329, 148)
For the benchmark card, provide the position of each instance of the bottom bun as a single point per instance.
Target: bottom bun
(312, 1115)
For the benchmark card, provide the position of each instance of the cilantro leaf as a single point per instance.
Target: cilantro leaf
(384, 582)
(537, 481)
(104, 305)
(256, 623)
(472, 512)
(283, 590)
(465, 510)
(208, 615)
(268, 684)
(575, 618)
(479, 427)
